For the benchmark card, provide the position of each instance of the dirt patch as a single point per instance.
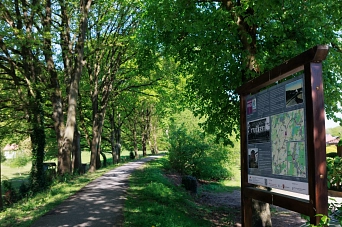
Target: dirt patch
(226, 208)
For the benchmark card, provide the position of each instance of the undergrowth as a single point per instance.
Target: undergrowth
(152, 200)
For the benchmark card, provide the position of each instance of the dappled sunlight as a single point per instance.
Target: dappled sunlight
(99, 203)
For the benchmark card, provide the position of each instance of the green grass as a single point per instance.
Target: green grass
(19, 175)
(152, 200)
(25, 212)
(331, 149)
(13, 173)
(229, 185)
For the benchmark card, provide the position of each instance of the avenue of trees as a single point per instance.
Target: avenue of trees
(84, 74)
(77, 68)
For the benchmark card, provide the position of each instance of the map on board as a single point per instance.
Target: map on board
(288, 144)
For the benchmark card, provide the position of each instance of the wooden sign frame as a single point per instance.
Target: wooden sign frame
(310, 62)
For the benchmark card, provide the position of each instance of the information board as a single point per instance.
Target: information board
(276, 137)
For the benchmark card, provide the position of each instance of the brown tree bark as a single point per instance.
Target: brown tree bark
(76, 152)
(73, 89)
(56, 94)
(153, 140)
(146, 119)
(1, 202)
(248, 38)
(135, 140)
(115, 139)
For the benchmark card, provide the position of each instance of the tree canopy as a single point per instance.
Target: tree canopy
(64, 64)
(222, 44)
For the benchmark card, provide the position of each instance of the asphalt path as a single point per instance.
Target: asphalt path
(98, 204)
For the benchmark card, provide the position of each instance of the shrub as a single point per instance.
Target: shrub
(331, 155)
(334, 172)
(19, 161)
(11, 195)
(193, 153)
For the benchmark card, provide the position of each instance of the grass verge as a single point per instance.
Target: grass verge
(152, 200)
(25, 212)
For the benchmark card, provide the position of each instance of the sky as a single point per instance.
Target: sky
(330, 123)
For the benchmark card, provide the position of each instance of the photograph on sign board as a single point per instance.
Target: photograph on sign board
(259, 131)
(294, 93)
(253, 155)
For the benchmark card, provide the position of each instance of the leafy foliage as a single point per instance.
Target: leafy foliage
(192, 152)
(336, 131)
(155, 201)
(3, 157)
(20, 160)
(221, 46)
(334, 172)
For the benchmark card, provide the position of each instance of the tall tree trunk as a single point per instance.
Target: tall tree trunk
(95, 131)
(1, 202)
(135, 141)
(95, 162)
(115, 138)
(104, 158)
(37, 175)
(144, 143)
(76, 155)
(73, 88)
(153, 139)
(99, 150)
(112, 137)
(248, 38)
(146, 118)
(56, 95)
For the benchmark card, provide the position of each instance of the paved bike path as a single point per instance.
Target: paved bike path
(98, 204)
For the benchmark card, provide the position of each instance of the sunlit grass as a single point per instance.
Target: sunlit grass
(228, 185)
(331, 149)
(25, 212)
(152, 200)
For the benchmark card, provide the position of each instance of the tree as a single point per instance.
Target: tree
(22, 67)
(73, 68)
(336, 131)
(195, 153)
(223, 44)
(110, 48)
(2, 159)
(20, 160)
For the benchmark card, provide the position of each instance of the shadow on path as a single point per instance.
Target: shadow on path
(100, 203)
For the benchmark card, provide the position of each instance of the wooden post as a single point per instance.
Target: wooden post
(246, 201)
(316, 150)
(1, 203)
(339, 150)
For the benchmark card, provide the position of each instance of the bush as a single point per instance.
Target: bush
(19, 161)
(3, 157)
(334, 173)
(11, 195)
(193, 153)
(331, 155)
(24, 190)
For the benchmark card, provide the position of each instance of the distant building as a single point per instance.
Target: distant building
(10, 150)
(331, 140)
